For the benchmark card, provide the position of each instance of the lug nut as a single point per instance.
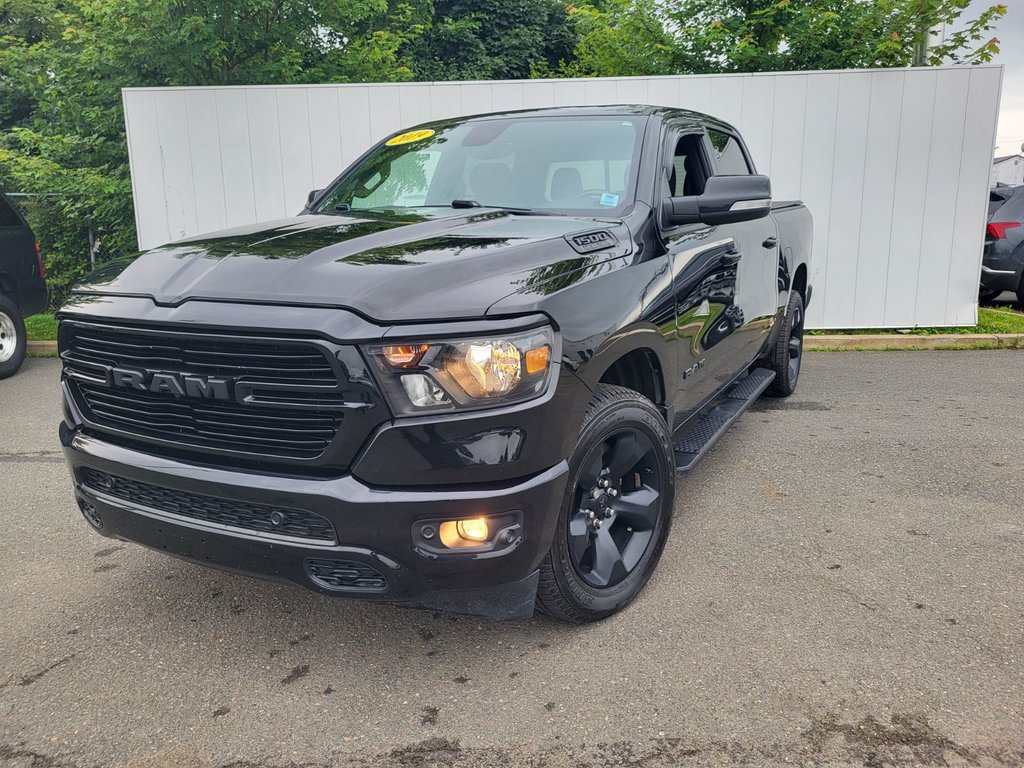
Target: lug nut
(613, 493)
(597, 523)
(609, 512)
(591, 514)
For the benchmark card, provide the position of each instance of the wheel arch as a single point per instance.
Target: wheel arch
(637, 359)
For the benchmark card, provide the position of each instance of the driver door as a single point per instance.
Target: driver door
(755, 281)
(704, 262)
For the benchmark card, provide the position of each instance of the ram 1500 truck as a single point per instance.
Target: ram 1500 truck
(465, 377)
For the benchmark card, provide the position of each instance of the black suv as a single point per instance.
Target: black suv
(1002, 266)
(22, 285)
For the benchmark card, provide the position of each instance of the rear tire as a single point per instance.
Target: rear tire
(787, 355)
(12, 338)
(616, 512)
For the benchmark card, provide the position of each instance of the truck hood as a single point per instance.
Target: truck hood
(388, 268)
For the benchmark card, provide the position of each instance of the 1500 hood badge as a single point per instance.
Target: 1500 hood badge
(176, 384)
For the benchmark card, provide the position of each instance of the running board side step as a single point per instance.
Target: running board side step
(696, 441)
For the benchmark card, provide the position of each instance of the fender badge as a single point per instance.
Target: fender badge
(588, 242)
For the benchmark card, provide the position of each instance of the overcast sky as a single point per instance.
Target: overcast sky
(1011, 37)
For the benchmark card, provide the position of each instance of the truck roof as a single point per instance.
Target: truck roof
(605, 110)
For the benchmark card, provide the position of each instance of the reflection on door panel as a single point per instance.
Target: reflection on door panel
(705, 300)
(706, 312)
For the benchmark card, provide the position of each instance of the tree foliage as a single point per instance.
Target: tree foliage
(492, 40)
(636, 37)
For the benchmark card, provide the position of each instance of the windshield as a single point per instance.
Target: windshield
(573, 165)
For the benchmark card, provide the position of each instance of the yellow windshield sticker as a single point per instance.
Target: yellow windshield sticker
(409, 137)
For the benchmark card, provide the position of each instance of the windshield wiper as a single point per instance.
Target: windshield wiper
(457, 203)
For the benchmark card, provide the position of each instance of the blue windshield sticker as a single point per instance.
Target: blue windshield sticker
(609, 200)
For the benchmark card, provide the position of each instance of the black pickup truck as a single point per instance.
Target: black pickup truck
(465, 377)
(22, 285)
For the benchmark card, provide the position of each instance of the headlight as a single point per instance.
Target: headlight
(460, 374)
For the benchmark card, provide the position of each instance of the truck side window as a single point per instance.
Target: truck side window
(686, 174)
(728, 154)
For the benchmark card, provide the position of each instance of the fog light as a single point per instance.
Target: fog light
(474, 529)
(457, 534)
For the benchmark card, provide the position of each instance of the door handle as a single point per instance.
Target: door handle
(730, 257)
(770, 242)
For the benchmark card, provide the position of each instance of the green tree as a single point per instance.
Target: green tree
(63, 64)
(687, 36)
(491, 40)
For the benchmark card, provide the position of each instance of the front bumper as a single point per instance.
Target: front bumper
(373, 527)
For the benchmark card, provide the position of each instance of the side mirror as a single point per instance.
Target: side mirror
(312, 195)
(726, 199)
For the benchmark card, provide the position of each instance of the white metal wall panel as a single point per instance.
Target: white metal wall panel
(235, 156)
(912, 165)
(839, 273)
(975, 162)
(894, 164)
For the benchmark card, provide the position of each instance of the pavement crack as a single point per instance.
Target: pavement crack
(34, 677)
(11, 752)
(296, 674)
(28, 457)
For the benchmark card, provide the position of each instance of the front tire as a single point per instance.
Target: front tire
(13, 340)
(616, 512)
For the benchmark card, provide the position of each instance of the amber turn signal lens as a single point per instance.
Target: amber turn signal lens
(537, 359)
(404, 355)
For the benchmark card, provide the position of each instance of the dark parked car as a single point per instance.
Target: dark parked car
(1002, 265)
(22, 285)
(465, 377)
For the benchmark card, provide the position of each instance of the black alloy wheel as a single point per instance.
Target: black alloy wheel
(616, 509)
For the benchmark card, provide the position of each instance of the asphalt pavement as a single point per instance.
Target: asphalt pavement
(843, 585)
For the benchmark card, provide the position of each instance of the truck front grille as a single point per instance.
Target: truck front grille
(242, 516)
(282, 398)
(231, 427)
